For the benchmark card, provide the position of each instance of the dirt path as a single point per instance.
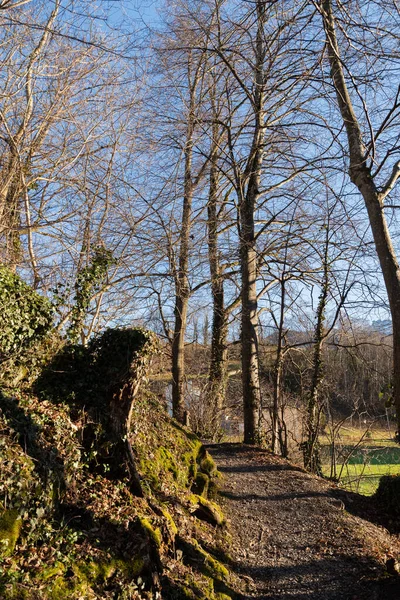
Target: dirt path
(293, 539)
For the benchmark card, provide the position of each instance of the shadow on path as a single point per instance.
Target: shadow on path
(274, 498)
(246, 468)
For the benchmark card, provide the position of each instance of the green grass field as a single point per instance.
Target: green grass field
(365, 458)
(364, 479)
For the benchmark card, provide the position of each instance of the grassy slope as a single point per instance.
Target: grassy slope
(70, 530)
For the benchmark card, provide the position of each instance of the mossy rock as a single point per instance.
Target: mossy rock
(200, 484)
(96, 572)
(190, 460)
(388, 494)
(86, 576)
(167, 454)
(153, 533)
(195, 555)
(207, 465)
(10, 528)
(167, 462)
(208, 511)
(212, 492)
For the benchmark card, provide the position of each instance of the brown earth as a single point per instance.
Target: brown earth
(294, 537)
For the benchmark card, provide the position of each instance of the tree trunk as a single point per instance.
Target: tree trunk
(182, 291)
(218, 368)
(310, 446)
(250, 366)
(278, 367)
(178, 357)
(10, 218)
(248, 255)
(360, 175)
(120, 421)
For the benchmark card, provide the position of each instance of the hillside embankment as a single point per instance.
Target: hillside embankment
(102, 495)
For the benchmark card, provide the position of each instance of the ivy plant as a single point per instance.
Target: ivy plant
(25, 316)
(90, 280)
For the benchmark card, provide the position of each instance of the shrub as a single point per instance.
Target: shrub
(25, 316)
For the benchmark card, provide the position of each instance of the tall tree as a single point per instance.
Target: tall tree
(253, 45)
(364, 137)
(183, 62)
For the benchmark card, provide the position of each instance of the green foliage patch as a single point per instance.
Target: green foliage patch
(25, 316)
(10, 528)
(90, 279)
(86, 375)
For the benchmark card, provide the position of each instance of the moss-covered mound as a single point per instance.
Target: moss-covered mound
(70, 524)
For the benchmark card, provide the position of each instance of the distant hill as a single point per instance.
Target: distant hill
(383, 326)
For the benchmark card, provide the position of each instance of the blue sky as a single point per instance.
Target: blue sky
(143, 9)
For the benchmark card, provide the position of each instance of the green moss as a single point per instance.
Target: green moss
(53, 571)
(86, 574)
(192, 458)
(207, 509)
(10, 528)
(92, 572)
(129, 568)
(167, 462)
(191, 466)
(136, 565)
(15, 592)
(194, 588)
(70, 589)
(207, 465)
(212, 492)
(153, 532)
(167, 452)
(196, 556)
(170, 521)
(168, 458)
(185, 593)
(107, 570)
(217, 569)
(160, 463)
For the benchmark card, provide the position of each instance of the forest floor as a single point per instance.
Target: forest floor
(299, 537)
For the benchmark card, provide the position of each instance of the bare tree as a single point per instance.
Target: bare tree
(17, 161)
(364, 137)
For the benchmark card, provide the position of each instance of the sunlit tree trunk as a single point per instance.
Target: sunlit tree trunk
(248, 255)
(182, 291)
